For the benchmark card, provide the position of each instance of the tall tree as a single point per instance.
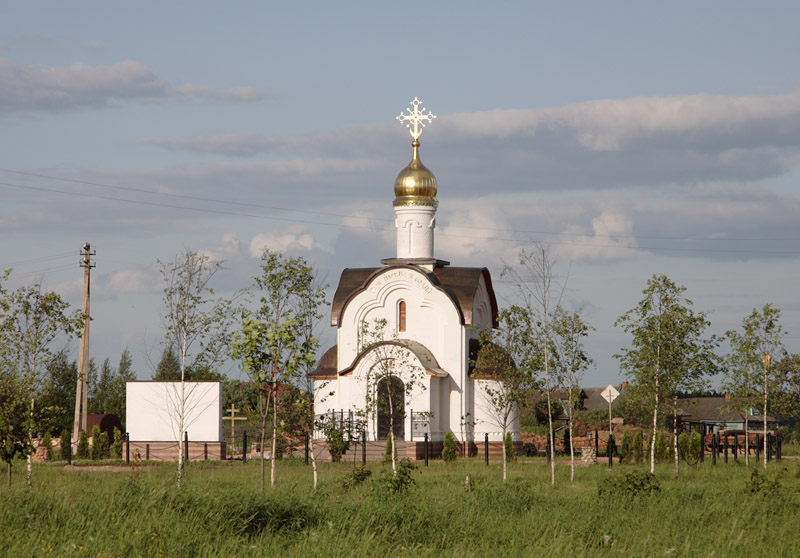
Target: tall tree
(668, 349)
(108, 395)
(58, 393)
(569, 362)
(750, 360)
(506, 384)
(196, 324)
(32, 320)
(273, 344)
(539, 292)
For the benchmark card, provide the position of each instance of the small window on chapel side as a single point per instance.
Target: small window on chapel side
(401, 317)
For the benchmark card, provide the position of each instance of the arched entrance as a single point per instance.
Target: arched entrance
(391, 403)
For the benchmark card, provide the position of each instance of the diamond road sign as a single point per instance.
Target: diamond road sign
(610, 393)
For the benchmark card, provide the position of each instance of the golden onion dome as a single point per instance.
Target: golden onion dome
(415, 184)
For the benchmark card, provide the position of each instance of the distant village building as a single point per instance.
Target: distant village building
(433, 314)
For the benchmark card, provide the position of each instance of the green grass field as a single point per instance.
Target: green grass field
(709, 511)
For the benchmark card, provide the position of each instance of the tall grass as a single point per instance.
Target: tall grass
(709, 511)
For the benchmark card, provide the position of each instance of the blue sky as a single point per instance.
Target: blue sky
(635, 138)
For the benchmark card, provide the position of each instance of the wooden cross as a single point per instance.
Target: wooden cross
(233, 418)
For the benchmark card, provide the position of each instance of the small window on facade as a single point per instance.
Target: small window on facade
(401, 316)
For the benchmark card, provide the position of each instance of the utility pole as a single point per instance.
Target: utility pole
(82, 392)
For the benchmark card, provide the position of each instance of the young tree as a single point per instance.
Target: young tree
(668, 351)
(750, 360)
(569, 362)
(196, 325)
(31, 321)
(506, 385)
(273, 343)
(390, 379)
(15, 439)
(539, 291)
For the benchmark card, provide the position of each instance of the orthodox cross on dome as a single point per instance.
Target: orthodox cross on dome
(416, 119)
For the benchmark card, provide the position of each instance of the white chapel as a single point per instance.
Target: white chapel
(432, 311)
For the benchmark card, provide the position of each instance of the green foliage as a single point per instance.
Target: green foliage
(100, 449)
(662, 446)
(14, 420)
(220, 514)
(275, 343)
(683, 446)
(638, 446)
(116, 447)
(626, 448)
(82, 451)
(65, 449)
(387, 454)
(760, 484)
(508, 447)
(356, 477)
(334, 433)
(449, 447)
(47, 444)
(695, 445)
(630, 485)
(403, 480)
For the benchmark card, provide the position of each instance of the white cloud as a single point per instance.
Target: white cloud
(25, 89)
(130, 281)
(293, 238)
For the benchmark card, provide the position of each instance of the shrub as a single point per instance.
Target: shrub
(355, 477)
(638, 446)
(508, 446)
(630, 484)
(335, 438)
(82, 452)
(449, 448)
(626, 448)
(759, 483)
(65, 449)
(662, 447)
(695, 445)
(99, 443)
(403, 480)
(116, 447)
(683, 446)
(47, 444)
(387, 455)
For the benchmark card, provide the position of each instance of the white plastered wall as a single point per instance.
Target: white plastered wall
(152, 411)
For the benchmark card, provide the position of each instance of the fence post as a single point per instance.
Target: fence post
(549, 444)
(186, 446)
(714, 448)
(426, 449)
(779, 447)
(127, 447)
(69, 449)
(769, 447)
(306, 448)
(411, 425)
(610, 450)
(486, 447)
(725, 447)
(244, 447)
(759, 441)
(205, 451)
(596, 444)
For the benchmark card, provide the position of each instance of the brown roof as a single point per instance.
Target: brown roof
(459, 283)
(326, 367)
(715, 409)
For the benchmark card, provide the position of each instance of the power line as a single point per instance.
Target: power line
(345, 216)
(440, 234)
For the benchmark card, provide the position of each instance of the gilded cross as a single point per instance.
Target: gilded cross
(416, 119)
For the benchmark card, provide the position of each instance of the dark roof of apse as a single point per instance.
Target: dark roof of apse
(458, 283)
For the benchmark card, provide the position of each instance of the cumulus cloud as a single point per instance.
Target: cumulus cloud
(294, 238)
(26, 89)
